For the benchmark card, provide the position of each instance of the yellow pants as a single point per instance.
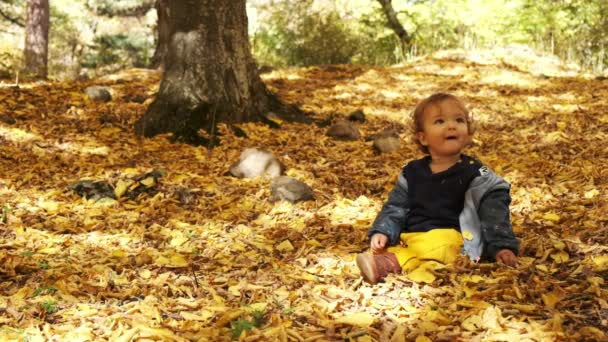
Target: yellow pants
(428, 248)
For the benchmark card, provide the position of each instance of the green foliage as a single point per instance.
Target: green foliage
(50, 306)
(44, 264)
(239, 326)
(6, 210)
(304, 37)
(118, 49)
(47, 290)
(287, 33)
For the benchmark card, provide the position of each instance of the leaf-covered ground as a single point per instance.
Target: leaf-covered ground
(203, 256)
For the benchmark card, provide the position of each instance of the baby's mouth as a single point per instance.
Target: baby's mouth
(451, 138)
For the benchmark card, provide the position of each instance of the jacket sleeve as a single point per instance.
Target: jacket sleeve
(495, 220)
(391, 219)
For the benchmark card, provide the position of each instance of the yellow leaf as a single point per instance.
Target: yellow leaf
(558, 244)
(303, 276)
(553, 217)
(178, 239)
(542, 268)
(490, 318)
(313, 243)
(552, 298)
(600, 263)
(560, 257)
(202, 316)
(422, 338)
(468, 292)
(285, 246)
(467, 235)
(438, 317)
(258, 306)
(359, 319)
(175, 260)
(110, 130)
(365, 338)
(118, 254)
(479, 304)
(399, 334)
(148, 182)
(421, 275)
(591, 193)
(472, 323)
(473, 279)
(120, 188)
(428, 326)
(145, 274)
(595, 281)
(80, 334)
(51, 207)
(48, 250)
(235, 290)
(525, 308)
(228, 316)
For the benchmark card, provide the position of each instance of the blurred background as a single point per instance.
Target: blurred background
(88, 38)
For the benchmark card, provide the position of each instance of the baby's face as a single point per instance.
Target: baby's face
(445, 128)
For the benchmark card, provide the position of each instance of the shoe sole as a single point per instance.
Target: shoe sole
(367, 270)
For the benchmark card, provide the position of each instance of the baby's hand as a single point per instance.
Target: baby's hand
(378, 242)
(507, 257)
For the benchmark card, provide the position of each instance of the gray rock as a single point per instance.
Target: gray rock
(289, 189)
(386, 144)
(343, 130)
(254, 163)
(98, 93)
(386, 141)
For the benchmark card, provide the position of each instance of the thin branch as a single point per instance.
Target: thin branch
(15, 21)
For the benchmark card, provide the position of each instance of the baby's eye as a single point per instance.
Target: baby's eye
(461, 120)
(439, 121)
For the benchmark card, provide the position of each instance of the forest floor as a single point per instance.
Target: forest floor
(198, 255)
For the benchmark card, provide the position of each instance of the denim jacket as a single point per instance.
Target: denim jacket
(484, 221)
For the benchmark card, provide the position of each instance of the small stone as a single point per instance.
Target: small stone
(98, 93)
(386, 144)
(254, 163)
(343, 130)
(386, 141)
(357, 115)
(289, 189)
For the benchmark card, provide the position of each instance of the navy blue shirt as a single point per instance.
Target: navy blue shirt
(437, 199)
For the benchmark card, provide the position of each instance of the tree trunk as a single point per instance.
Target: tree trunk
(163, 34)
(37, 38)
(210, 75)
(395, 25)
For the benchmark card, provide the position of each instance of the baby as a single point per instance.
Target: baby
(442, 204)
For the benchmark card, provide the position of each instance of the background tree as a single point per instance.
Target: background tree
(395, 25)
(210, 75)
(163, 33)
(37, 38)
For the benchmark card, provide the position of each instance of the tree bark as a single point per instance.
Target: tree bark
(163, 34)
(37, 38)
(210, 75)
(395, 25)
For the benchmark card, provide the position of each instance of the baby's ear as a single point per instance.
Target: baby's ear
(421, 138)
